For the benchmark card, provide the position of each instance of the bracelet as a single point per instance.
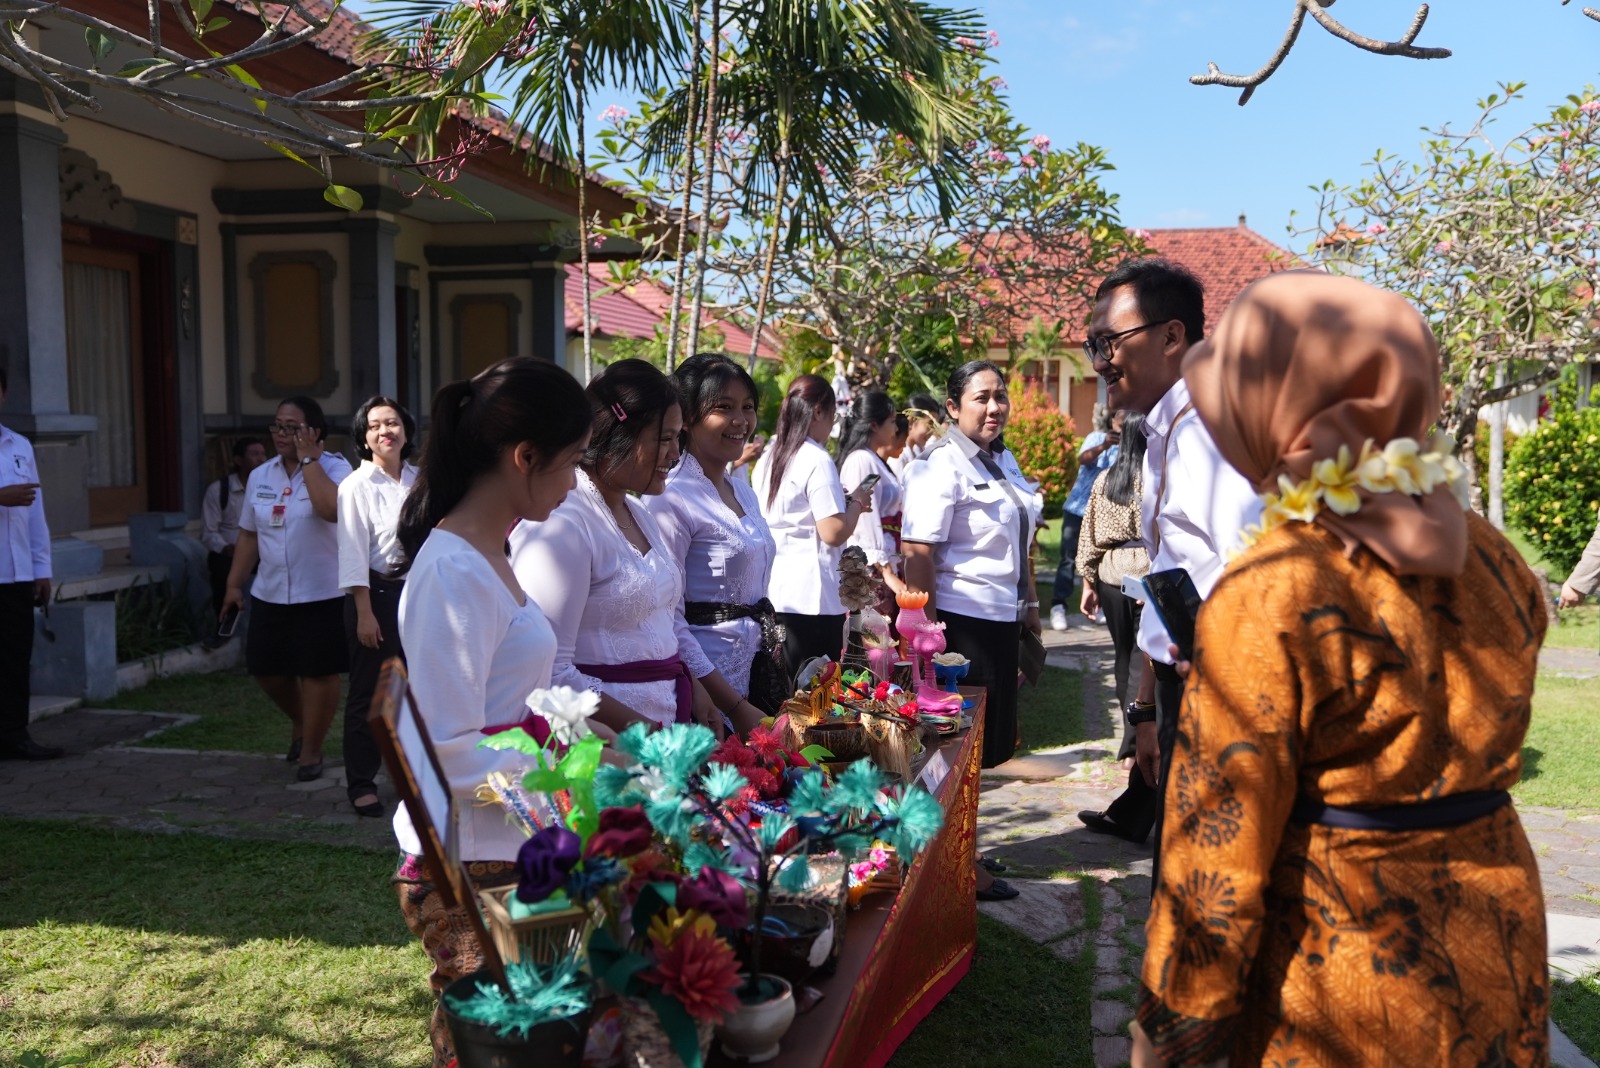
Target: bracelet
(1141, 713)
(1030, 604)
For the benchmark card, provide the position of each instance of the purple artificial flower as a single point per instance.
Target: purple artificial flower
(718, 895)
(544, 861)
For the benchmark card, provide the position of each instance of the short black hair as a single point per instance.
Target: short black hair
(1164, 290)
(311, 410)
(242, 446)
(358, 426)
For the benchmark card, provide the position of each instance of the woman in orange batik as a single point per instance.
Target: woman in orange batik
(1344, 880)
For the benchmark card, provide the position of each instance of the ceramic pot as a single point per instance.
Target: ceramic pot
(556, 1044)
(751, 1033)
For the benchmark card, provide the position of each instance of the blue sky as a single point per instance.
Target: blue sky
(1115, 73)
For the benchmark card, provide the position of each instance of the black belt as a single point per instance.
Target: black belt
(1167, 673)
(1451, 810)
(769, 683)
(378, 578)
(710, 613)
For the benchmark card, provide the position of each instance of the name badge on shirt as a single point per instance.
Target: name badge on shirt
(278, 512)
(265, 494)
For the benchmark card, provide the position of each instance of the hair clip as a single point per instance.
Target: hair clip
(617, 410)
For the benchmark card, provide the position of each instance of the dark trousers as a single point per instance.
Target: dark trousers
(1067, 569)
(806, 637)
(1169, 698)
(361, 757)
(1122, 619)
(217, 567)
(16, 651)
(992, 649)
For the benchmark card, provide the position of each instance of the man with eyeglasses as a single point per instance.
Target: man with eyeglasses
(1195, 506)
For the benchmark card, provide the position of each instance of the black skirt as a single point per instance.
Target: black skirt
(992, 649)
(305, 641)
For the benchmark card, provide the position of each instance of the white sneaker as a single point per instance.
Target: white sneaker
(1058, 617)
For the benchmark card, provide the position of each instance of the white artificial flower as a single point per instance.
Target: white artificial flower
(653, 783)
(566, 710)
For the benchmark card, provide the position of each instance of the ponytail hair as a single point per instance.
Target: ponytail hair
(807, 395)
(627, 400)
(517, 401)
(868, 411)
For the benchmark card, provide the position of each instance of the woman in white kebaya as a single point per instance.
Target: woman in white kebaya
(712, 525)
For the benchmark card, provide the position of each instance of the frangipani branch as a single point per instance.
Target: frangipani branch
(1319, 12)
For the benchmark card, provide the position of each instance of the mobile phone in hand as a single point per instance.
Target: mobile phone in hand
(230, 620)
(1177, 603)
(867, 483)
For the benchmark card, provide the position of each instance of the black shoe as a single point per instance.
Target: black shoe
(28, 749)
(308, 772)
(372, 809)
(294, 751)
(999, 890)
(993, 867)
(1103, 824)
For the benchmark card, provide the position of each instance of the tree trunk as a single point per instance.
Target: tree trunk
(583, 216)
(780, 194)
(690, 126)
(710, 172)
(1497, 456)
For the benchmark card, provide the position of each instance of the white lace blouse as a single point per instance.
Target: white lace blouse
(608, 602)
(726, 559)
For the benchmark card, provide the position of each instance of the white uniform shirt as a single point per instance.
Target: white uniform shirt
(608, 602)
(24, 537)
(299, 557)
(473, 654)
(805, 574)
(219, 522)
(369, 521)
(981, 531)
(726, 559)
(886, 496)
(1200, 510)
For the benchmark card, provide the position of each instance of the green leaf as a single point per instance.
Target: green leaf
(284, 150)
(679, 1027)
(139, 66)
(516, 738)
(816, 753)
(582, 759)
(201, 10)
(214, 24)
(100, 44)
(249, 79)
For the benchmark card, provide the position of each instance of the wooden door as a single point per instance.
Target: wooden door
(105, 367)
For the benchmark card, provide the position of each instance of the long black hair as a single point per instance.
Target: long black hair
(704, 377)
(474, 422)
(868, 411)
(627, 401)
(807, 395)
(358, 426)
(1124, 471)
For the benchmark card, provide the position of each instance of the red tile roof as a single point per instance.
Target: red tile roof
(635, 311)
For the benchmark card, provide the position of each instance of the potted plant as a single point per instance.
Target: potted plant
(540, 1019)
(696, 806)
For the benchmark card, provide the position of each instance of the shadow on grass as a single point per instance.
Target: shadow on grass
(1051, 713)
(1530, 763)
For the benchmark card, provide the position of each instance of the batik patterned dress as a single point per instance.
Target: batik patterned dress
(1328, 678)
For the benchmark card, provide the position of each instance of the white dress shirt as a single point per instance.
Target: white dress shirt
(608, 602)
(726, 559)
(1197, 514)
(369, 521)
(981, 530)
(219, 522)
(473, 654)
(805, 574)
(886, 495)
(300, 556)
(24, 537)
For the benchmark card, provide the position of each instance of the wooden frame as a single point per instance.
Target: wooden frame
(413, 763)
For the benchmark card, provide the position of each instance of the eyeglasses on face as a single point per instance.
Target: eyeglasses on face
(286, 429)
(1101, 347)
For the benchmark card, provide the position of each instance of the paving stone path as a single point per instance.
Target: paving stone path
(1028, 820)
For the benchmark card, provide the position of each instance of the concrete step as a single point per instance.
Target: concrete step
(42, 705)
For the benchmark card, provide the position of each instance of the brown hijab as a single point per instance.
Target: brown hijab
(1304, 362)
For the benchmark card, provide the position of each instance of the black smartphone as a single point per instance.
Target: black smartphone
(230, 620)
(868, 482)
(1177, 602)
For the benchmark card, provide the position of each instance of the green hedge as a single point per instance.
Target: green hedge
(1552, 482)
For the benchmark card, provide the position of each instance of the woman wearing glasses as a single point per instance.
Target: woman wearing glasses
(296, 644)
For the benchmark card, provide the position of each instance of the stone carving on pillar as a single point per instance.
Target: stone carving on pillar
(88, 195)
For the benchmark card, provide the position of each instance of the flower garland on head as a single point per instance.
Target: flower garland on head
(1399, 467)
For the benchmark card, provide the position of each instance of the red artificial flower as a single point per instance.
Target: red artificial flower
(766, 743)
(765, 782)
(795, 760)
(739, 803)
(623, 832)
(733, 752)
(909, 710)
(648, 867)
(881, 692)
(698, 970)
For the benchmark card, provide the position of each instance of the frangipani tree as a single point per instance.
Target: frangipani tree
(1494, 240)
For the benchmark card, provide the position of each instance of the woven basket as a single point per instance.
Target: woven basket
(892, 747)
(645, 1043)
(844, 741)
(545, 939)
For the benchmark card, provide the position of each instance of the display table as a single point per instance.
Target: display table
(903, 952)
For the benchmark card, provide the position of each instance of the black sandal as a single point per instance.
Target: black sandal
(308, 772)
(993, 867)
(999, 890)
(294, 750)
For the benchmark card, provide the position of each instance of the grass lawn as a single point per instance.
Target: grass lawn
(1575, 1007)
(1052, 712)
(1576, 628)
(1559, 765)
(234, 713)
(1019, 1005)
(180, 951)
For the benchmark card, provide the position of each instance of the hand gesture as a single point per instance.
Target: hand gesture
(20, 495)
(307, 446)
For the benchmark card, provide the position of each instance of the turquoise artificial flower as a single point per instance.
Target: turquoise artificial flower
(631, 741)
(795, 875)
(672, 818)
(809, 793)
(857, 789)
(677, 750)
(539, 994)
(614, 787)
(772, 830)
(723, 781)
(915, 818)
(700, 855)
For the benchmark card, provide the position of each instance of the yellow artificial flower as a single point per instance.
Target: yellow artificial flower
(670, 924)
(1338, 481)
(1298, 502)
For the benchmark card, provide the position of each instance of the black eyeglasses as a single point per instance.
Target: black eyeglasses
(1099, 347)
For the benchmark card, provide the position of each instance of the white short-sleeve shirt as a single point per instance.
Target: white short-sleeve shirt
(981, 531)
(886, 495)
(300, 554)
(369, 522)
(805, 572)
(24, 538)
(473, 654)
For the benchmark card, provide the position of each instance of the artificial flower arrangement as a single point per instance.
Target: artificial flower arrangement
(766, 760)
(879, 870)
(692, 804)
